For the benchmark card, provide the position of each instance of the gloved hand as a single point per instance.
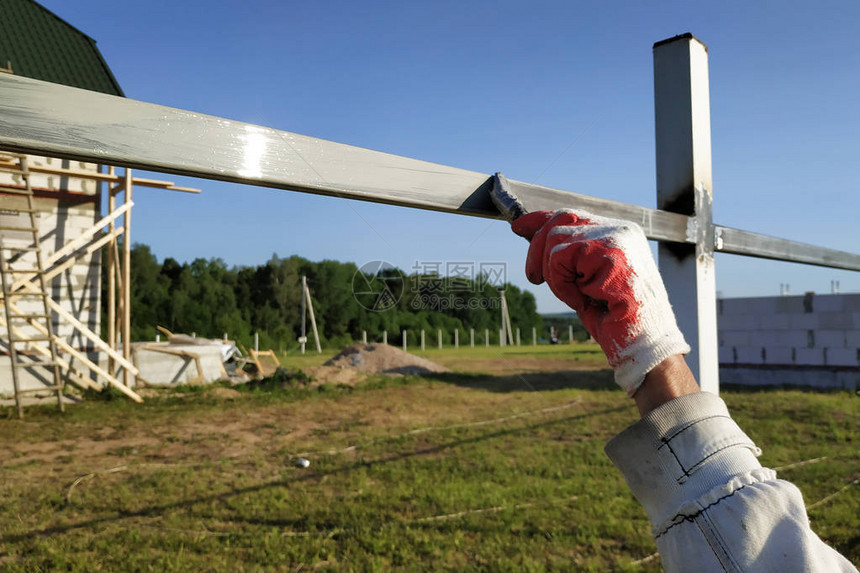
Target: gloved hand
(603, 269)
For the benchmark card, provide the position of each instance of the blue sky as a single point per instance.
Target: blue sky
(558, 93)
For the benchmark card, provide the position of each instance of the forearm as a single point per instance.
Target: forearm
(671, 379)
(711, 505)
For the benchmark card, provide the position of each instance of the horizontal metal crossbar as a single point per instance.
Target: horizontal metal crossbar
(54, 120)
(738, 242)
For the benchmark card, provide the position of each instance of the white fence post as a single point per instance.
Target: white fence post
(384, 337)
(570, 334)
(439, 338)
(456, 338)
(472, 338)
(518, 336)
(364, 337)
(501, 338)
(486, 337)
(683, 144)
(422, 340)
(403, 334)
(534, 336)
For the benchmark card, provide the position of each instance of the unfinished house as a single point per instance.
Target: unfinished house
(54, 238)
(49, 288)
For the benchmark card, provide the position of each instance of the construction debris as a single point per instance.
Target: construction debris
(265, 367)
(185, 359)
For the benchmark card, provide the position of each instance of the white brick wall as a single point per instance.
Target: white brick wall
(817, 330)
(803, 321)
(749, 355)
(830, 338)
(836, 320)
(734, 338)
(790, 338)
(44, 181)
(726, 355)
(77, 289)
(778, 355)
(776, 322)
(746, 322)
(810, 356)
(842, 357)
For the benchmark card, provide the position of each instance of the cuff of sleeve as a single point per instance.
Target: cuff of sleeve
(644, 355)
(680, 451)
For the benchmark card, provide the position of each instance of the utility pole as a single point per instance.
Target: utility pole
(303, 338)
(306, 297)
(506, 320)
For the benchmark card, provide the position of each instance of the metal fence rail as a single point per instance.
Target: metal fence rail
(49, 119)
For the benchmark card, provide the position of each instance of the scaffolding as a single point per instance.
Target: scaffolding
(36, 331)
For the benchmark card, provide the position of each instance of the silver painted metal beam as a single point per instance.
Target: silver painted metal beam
(749, 244)
(50, 119)
(658, 225)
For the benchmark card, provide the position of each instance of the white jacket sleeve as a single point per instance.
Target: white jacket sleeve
(711, 505)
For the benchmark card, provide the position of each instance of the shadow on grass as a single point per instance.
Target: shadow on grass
(593, 380)
(770, 388)
(532, 381)
(157, 510)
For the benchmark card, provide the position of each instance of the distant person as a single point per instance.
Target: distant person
(712, 506)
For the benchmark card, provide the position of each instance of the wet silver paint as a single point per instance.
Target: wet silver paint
(504, 199)
(40, 117)
(50, 119)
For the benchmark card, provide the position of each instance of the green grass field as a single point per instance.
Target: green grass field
(497, 467)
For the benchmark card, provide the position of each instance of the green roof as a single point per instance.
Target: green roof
(38, 44)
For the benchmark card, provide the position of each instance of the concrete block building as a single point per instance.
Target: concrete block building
(807, 340)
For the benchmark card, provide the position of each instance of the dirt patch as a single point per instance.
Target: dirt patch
(225, 393)
(233, 430)
(167, 392)
(334, 375)
(383, 359)
(355, 362)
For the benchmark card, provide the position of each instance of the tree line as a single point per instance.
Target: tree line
(209, 298)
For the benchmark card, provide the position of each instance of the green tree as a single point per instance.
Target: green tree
(207, 297)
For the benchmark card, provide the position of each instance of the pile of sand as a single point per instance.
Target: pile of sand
(383, 359)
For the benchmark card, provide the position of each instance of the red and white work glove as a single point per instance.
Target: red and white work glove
(603, 269)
